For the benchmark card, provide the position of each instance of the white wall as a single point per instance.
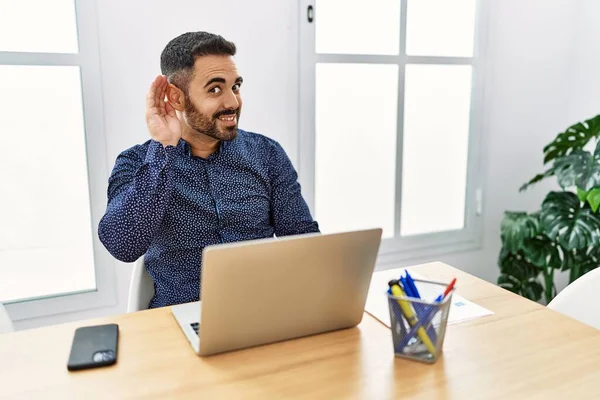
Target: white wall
(585, 90)
(539, 67)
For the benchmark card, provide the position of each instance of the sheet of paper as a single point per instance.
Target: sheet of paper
(461, 309)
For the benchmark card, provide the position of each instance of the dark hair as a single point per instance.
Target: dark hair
(177, 58)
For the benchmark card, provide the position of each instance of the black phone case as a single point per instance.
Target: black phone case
(94, 346)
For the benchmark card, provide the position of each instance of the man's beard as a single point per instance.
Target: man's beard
(208, 125)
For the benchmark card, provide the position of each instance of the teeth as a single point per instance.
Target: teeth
(227, 118)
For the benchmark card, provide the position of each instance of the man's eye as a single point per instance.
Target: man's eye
(237, 87)
(215, 90)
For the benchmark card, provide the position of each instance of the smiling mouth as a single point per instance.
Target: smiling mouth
(229, 119)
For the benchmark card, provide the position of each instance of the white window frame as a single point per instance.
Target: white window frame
(410, 247)
(88, 60)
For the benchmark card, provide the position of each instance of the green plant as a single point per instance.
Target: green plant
(565, 234)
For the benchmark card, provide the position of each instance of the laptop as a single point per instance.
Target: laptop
(269, 290)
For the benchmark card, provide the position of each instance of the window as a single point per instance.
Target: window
(391, 120)
(53, 168)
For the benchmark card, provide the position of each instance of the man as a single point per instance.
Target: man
(200, 180)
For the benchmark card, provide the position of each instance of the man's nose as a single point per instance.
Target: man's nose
(231, 101)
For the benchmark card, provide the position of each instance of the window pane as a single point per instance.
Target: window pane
(46, 232)
(435, 146)
(356, 107)
(38, 26)
(440, 28)
(357, 27)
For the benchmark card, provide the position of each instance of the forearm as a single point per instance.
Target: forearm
(289, 211)
(135, 214)
(294, 218)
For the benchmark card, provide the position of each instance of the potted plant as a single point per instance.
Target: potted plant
(564, 235)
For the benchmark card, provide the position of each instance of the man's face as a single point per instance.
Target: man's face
(213, 103)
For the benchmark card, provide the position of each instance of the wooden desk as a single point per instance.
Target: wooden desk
(524, 351)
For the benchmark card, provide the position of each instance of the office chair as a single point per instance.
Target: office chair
(6, 324)
(141, 287)
(578, 299)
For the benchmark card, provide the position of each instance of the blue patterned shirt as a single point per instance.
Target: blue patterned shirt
(168, 205)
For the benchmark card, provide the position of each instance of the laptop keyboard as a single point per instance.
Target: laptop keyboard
(195, 326)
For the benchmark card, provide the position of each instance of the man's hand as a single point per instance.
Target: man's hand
(163, 124)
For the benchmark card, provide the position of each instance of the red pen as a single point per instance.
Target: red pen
(448, 289)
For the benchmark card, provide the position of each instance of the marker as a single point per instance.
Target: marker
(424, 320)
(410, 315)
(409, 286)
(406, 287)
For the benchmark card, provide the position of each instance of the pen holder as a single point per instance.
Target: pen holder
(419, 325)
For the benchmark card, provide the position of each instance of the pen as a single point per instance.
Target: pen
(411, 290)
(410, 315)
(406, 287)
(427, 316)
(413, 287)
(448, 289)
(424, 320)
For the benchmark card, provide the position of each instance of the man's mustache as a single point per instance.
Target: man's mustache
(229, 111)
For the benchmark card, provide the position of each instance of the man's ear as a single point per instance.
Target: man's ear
(175, 97)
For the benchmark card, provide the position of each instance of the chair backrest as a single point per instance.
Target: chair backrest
(6, 324)
(578, 300)
(141, 287)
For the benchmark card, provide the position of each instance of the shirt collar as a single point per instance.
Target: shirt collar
(187, 149)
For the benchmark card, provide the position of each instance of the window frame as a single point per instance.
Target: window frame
(88, 59)
(399, 248)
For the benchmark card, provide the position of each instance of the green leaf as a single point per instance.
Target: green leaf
(542, 252)
(580, 169)
(582, 194)
(593, 198)
(574, 138)
(587, 266)
(583, 261)
(555, 259)
(536, 179)
(569, 259)
(532, 290)
(519, 276)
(564, 220)
(516, 227)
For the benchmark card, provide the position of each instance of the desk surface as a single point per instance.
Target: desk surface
(524, 351)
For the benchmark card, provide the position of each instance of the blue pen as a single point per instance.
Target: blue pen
(413, 287)
(421, 309)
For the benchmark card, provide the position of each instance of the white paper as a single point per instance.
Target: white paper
(461, 309)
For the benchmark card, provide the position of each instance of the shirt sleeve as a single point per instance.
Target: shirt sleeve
(139, 191)
(289, 212)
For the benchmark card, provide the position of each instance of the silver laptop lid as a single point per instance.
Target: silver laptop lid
(270, 290)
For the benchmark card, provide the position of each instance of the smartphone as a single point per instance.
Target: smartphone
(93, 347)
